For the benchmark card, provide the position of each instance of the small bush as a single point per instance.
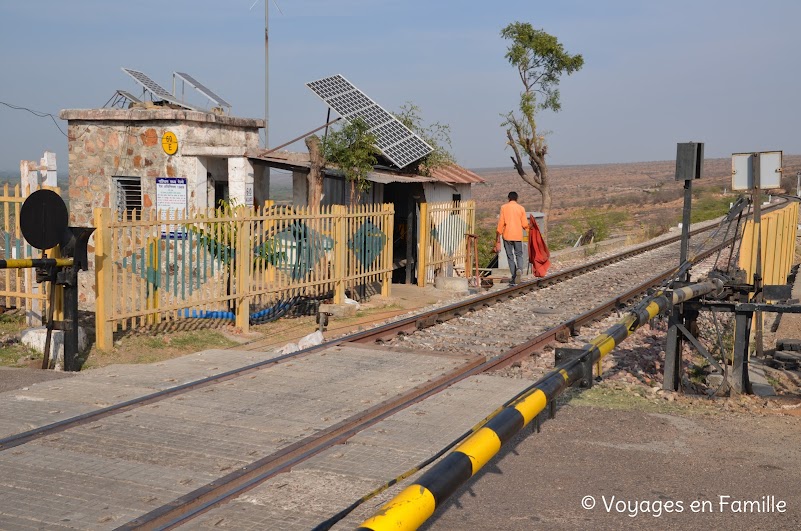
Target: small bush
(665, 196)
(602, 223)
(486, 241)
(709, 207)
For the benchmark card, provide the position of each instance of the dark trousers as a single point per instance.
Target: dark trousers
(514, 254)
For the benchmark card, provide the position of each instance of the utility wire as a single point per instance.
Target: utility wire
(39, 114)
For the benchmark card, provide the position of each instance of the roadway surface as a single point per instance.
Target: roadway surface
(635, 455)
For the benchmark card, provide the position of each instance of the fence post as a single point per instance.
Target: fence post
(268, 270)
(152, 267)
(471, 228)
(389, 229)
(104, 331)
(422, 251)
(243, 269)
(340, 250)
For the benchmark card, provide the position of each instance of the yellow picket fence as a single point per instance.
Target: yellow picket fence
(442, 241)
(18, 287)
(778, 230)
(243, 264)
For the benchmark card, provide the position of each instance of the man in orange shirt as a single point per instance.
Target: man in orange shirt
(511, 223)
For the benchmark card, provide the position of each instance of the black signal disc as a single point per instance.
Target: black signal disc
(43, 219)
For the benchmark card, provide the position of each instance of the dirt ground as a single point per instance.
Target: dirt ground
(612, 460)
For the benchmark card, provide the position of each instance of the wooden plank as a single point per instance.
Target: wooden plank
(103, 279)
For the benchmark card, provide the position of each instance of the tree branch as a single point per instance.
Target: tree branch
(516, 160)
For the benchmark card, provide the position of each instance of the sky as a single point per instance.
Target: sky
(722, 72)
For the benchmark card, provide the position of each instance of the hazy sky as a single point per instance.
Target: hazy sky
(656, 73)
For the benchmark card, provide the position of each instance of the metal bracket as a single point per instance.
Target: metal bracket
(562, 355)
(45, 274)
(427, 322)
(699, 347)
(322, 320)
(780, 292)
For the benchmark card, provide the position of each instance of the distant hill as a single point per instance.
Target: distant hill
(12, 177)
(600, 185)
(637, 196)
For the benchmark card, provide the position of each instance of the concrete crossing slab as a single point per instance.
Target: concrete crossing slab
(105, 473)
(321, 486)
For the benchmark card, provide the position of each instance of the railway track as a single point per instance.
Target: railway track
(385, 333)
(451, 328)
(460, 321)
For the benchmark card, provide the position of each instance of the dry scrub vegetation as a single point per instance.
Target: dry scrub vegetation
(639, 200)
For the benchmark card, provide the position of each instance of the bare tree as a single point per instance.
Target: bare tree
(540, 60)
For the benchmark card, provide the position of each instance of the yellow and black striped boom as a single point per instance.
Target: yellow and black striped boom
(22, 263)
(417, 502)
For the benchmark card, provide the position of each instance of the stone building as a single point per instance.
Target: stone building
(160, 157)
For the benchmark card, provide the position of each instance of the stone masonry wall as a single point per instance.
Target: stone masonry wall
(100, 150)
(104, 143)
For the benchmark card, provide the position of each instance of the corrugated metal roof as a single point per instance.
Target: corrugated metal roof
(455, 174)
(300, 161)
(450, 174)
(386, 178)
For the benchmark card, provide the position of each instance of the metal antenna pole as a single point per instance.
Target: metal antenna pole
(265, 176)
(266, 74)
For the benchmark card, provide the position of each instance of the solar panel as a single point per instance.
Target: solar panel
(399, 144)
(129, 96)
(200, 87)
(153, 87)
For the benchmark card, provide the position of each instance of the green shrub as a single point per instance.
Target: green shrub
(709, 207)
(486, 241)
(602, 222)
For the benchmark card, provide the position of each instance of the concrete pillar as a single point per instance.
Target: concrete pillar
(35, 175)
(300, 188)
(48, 169)
(32, 177)
(261, 184)
(240, 180)
(194, 171)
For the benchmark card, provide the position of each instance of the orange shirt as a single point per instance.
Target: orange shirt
(512, 221)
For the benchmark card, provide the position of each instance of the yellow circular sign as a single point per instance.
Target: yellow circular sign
(169, 142)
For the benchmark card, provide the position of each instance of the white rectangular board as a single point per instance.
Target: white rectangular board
(742, 170)
(170, 200)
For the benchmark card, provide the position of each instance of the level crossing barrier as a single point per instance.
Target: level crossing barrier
(417, 502)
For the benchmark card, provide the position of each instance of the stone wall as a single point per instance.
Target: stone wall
(104, 143)
(107, 142)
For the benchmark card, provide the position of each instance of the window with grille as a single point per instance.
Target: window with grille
(128, 193)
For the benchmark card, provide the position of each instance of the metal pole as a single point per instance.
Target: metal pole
(798, 184)
(758, 269)
(674, 340)
(685, 226)
(266, 74)
(301, 137)
(673, 346)
(325, 135)
(266, 172)
(410, 241)
(70, 328)
(740, 382)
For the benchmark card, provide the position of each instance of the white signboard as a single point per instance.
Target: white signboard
(742, 170)
(249, 194)
(170, 200)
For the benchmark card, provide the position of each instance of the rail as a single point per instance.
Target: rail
(250, 475)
